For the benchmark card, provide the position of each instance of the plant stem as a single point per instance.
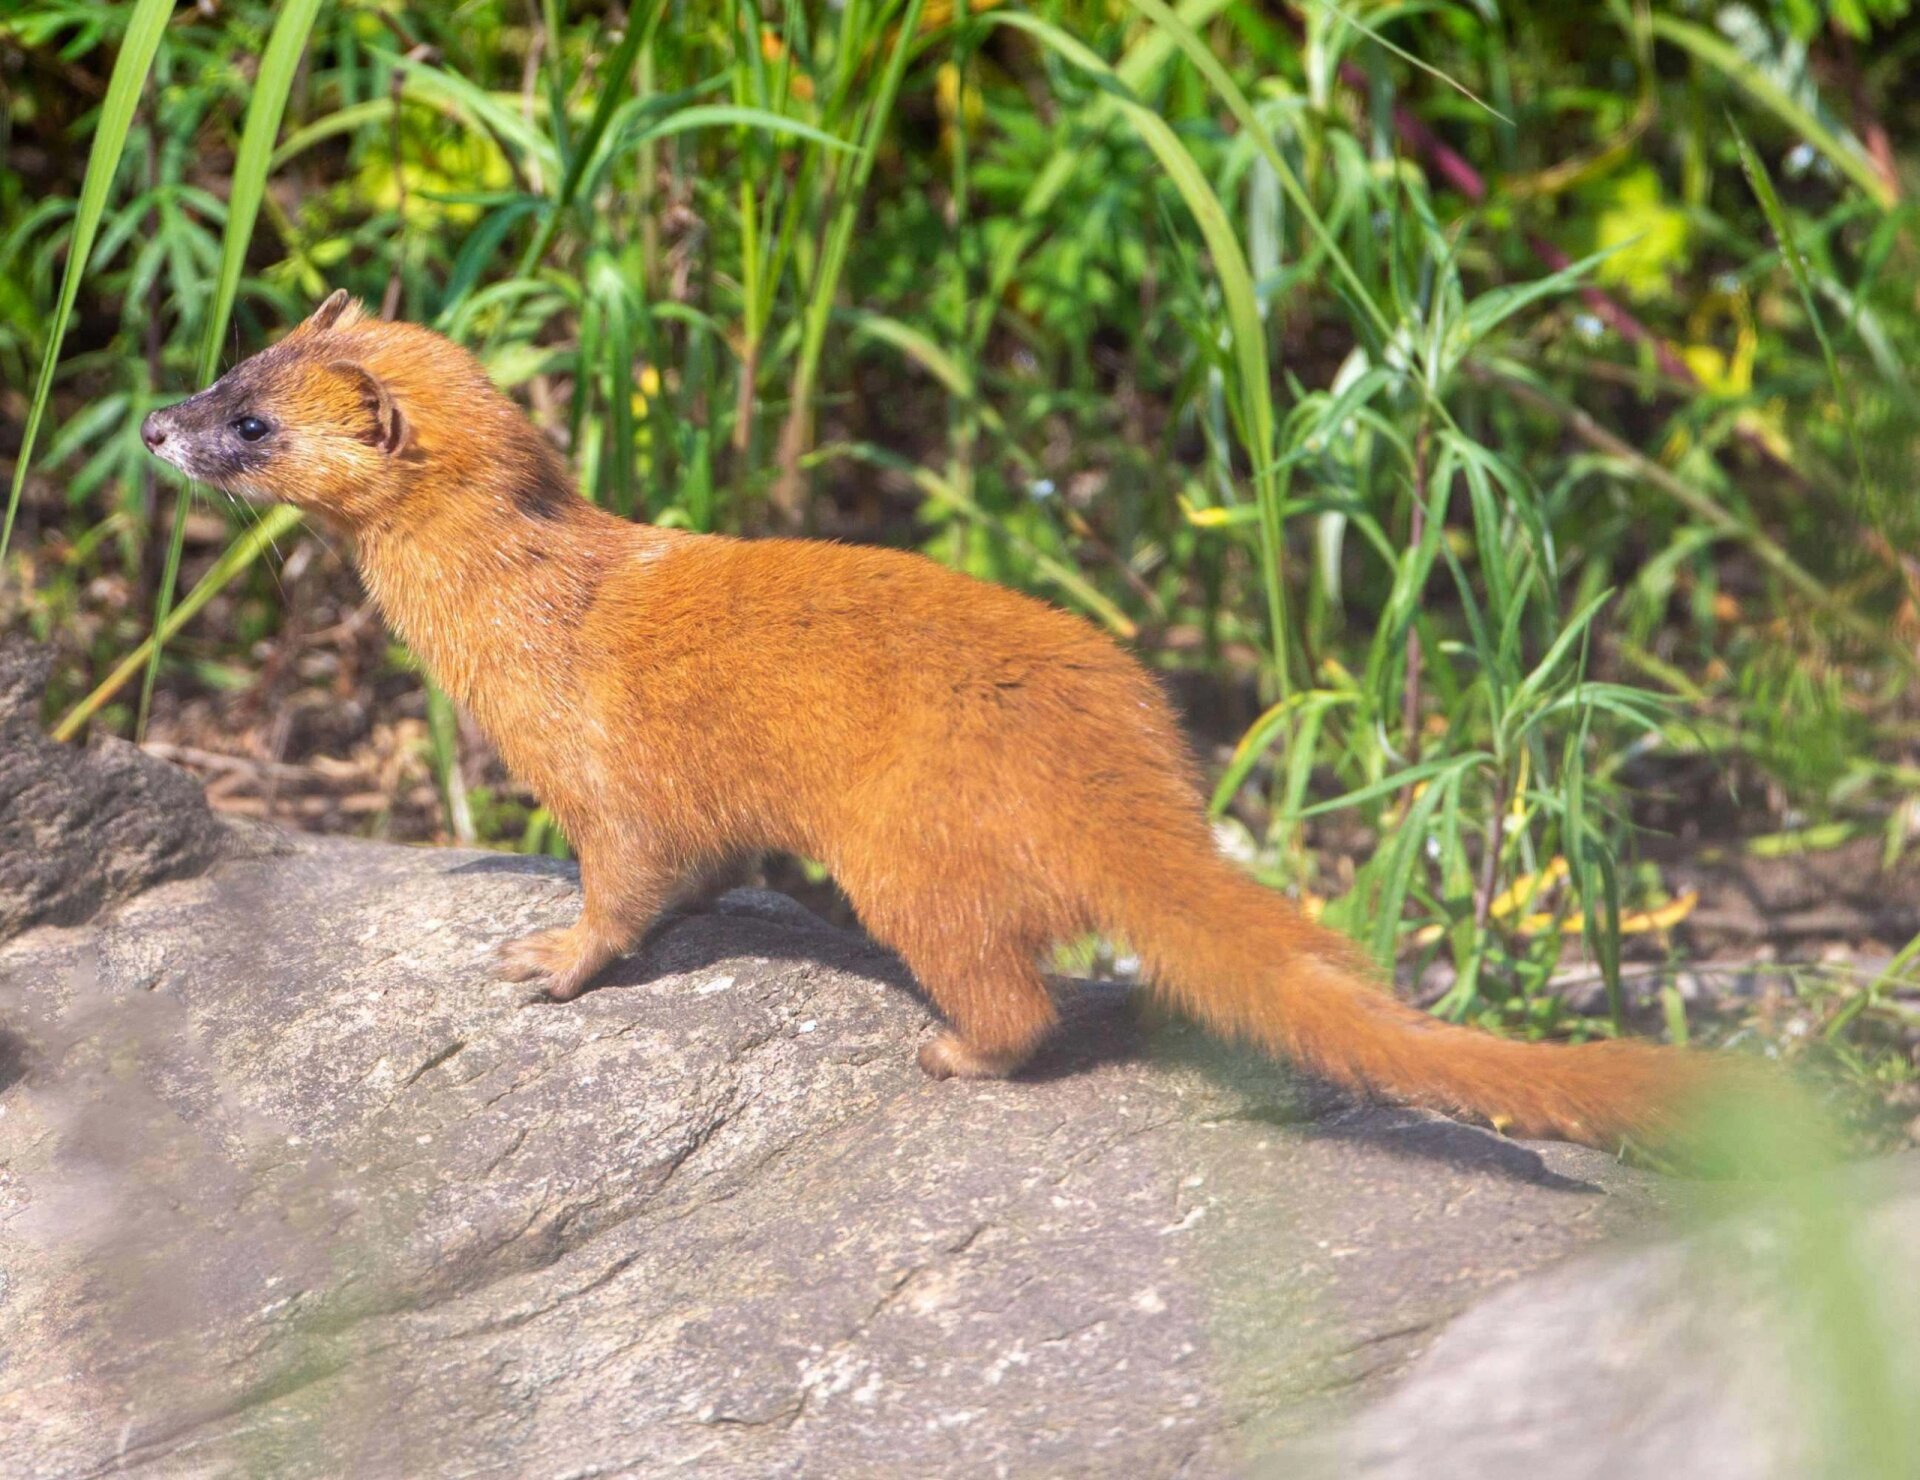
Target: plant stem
(1416, 532)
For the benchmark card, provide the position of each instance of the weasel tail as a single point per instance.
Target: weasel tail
(1242, 960)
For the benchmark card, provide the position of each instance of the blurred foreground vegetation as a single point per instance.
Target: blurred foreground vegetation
(1496, 420)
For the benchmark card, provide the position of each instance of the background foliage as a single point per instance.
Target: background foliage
(1495, 420)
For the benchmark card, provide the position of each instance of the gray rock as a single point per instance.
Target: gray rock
(80, 830)
(289, 1186)
(1773, 1346)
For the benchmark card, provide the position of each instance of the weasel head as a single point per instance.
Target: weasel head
(322, 419)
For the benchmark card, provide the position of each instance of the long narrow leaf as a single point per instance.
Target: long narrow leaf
(1709, 48)
(1776, 215)
(238, 556)
(639, 27)
(1245, 326)
(145, 26)
(273, 83)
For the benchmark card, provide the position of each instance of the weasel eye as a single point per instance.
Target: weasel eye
(250, 428)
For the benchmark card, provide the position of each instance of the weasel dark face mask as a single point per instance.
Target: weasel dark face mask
(306, 422)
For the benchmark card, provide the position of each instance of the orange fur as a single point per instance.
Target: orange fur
(983, 774)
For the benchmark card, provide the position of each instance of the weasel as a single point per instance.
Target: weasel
(983, 774)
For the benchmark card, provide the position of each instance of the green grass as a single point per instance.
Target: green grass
(1158, 310)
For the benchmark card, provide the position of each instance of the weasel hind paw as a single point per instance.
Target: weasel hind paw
(949, 1056)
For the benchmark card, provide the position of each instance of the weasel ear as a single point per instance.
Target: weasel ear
(339, 311)
(388, 430)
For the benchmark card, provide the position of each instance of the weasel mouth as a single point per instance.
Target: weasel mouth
(176, 454)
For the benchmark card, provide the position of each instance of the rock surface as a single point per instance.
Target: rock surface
(1772, 1346)
(81, 830)
(292, 1187)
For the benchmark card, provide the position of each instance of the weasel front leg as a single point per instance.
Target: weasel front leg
(623, 897)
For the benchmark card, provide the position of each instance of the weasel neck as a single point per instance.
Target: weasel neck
(492, 597)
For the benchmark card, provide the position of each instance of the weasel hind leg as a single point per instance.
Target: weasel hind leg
(973, 950)
(997, 1007)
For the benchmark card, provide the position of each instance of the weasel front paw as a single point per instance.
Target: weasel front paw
(559, 960)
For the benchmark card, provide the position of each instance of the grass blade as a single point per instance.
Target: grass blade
(832, 262)
(238, 556)
(1197, 51)
(1703, 45)
(265, 108)
(1252, 372)
(1411, 60)
(285, 46)
(1776, 215)
(145, 27)
(639, 27)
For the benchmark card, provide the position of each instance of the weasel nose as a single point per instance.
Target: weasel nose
(153, 431)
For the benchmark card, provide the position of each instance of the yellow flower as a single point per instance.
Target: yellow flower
(1731, 375)
(646, 388)
(951, 102)
(773, 49)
